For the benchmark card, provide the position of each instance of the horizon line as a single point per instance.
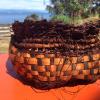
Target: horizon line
(22, 9)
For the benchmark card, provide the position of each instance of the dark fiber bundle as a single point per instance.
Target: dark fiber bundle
(49, 54)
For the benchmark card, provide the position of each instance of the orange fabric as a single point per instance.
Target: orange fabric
(13, 89)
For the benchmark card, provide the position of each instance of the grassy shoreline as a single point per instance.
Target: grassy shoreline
(4, 37)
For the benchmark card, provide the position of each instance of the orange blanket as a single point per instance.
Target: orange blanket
(13, 89)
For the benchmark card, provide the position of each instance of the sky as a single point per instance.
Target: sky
(24, 4)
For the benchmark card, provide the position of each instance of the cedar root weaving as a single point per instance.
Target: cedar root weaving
(49, 54)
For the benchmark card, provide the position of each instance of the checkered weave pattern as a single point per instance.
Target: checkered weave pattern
(51, 67)
(50, 54)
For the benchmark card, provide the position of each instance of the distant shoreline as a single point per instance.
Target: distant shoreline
(5, 36)
(9, 16)
(5, 25)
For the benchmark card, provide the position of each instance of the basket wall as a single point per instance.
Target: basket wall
(51, 69)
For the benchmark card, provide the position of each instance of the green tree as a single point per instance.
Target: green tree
(56, 8)
(72, 8)
(69, 8)
(32, 17)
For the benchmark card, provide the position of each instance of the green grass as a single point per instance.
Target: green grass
(76, 21)
(3, 50)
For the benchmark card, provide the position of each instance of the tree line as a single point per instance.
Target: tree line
(74, 8)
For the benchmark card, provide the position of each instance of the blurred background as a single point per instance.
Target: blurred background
(67, 11)
(12, 10)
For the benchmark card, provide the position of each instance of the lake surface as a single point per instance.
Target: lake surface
(9, 16)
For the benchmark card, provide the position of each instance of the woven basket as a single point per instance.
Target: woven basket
(37, 63)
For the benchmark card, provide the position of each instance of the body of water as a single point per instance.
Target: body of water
(9, 16)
